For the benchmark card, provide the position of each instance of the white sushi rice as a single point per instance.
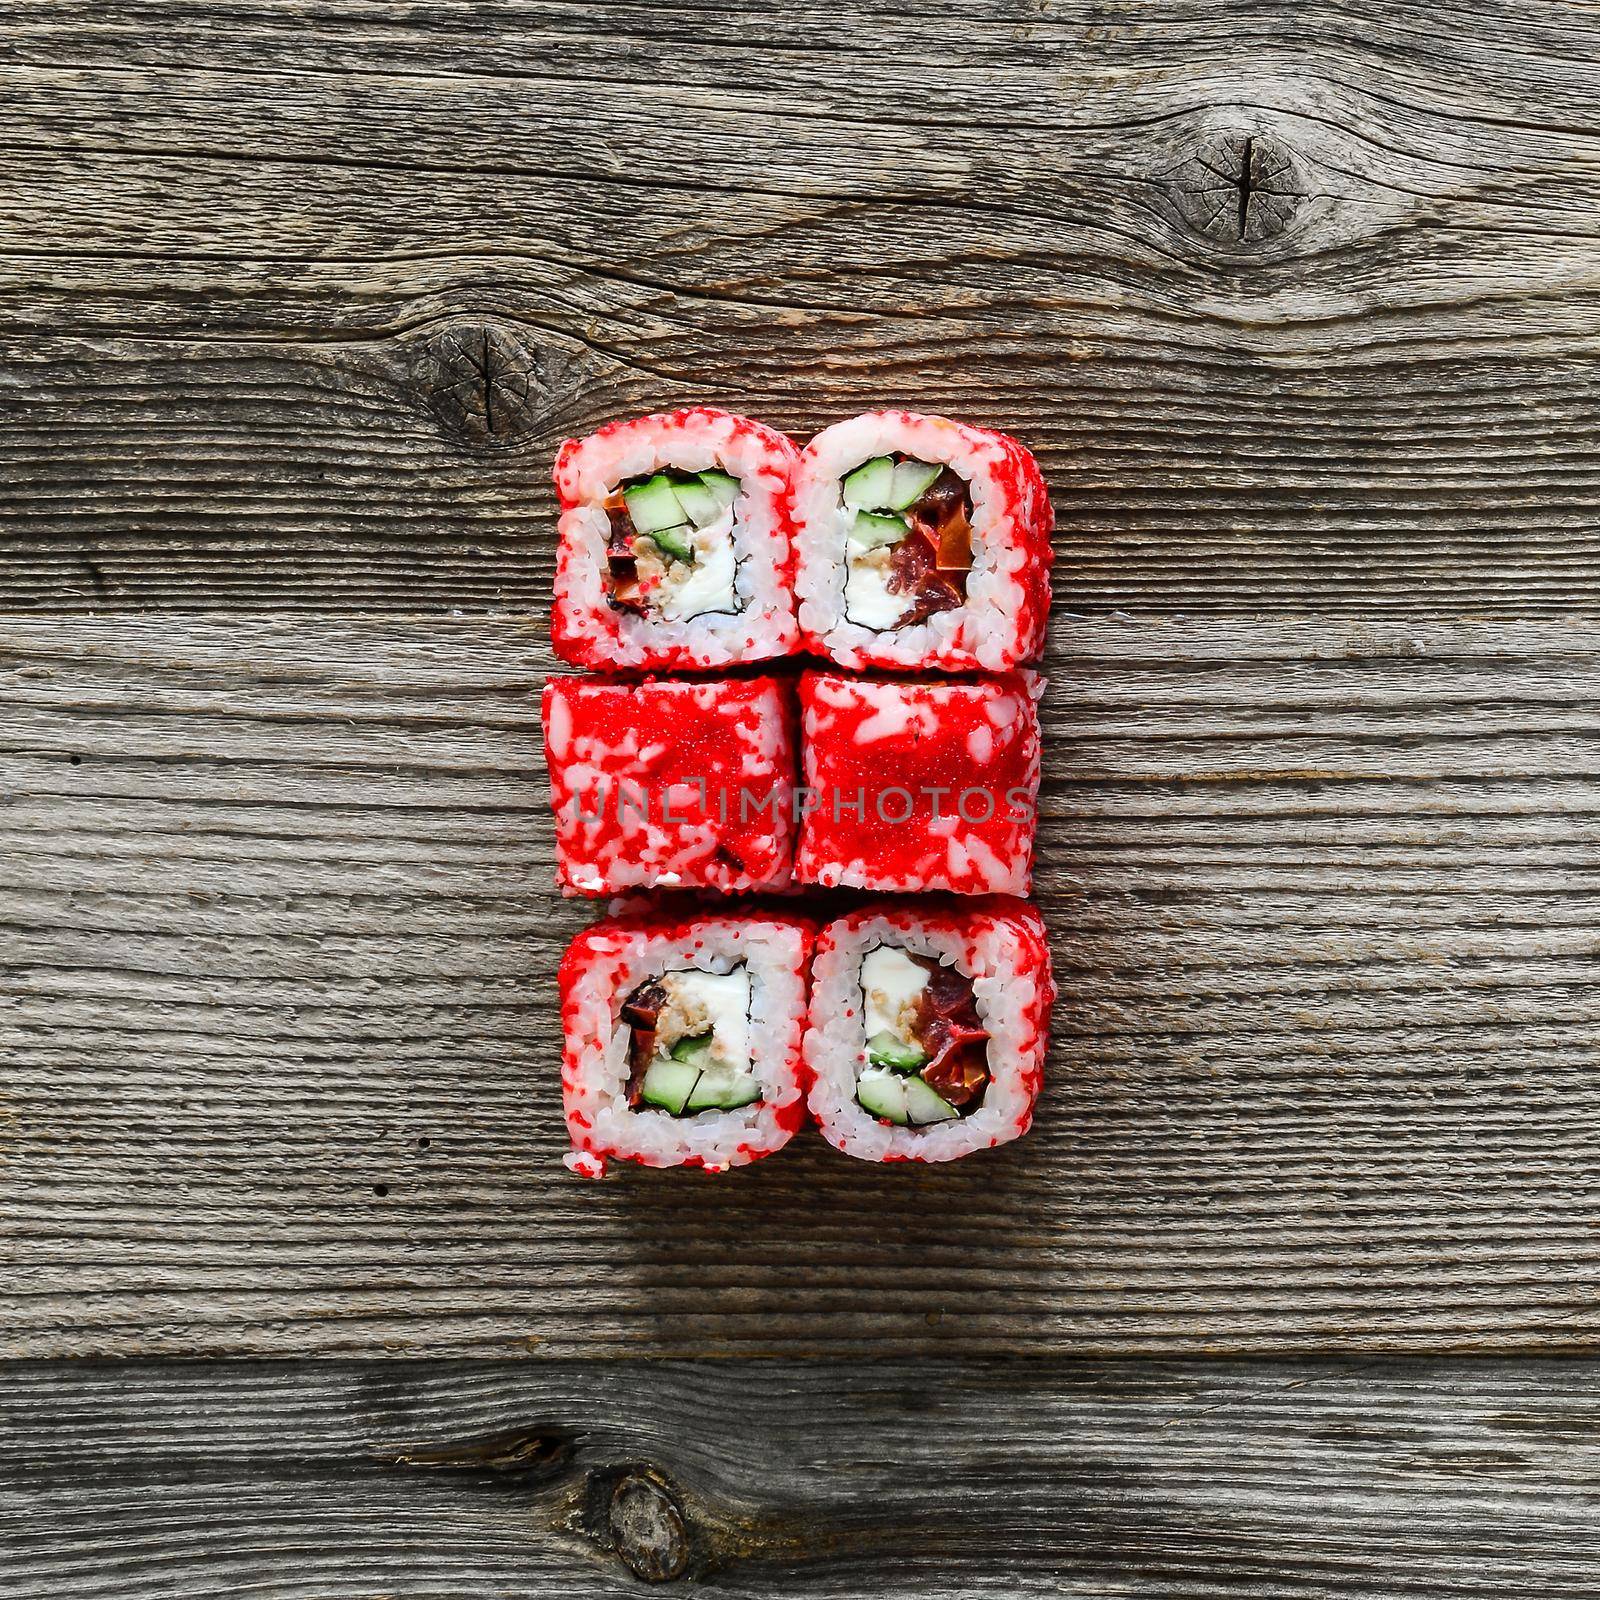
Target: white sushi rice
(598, 1089)
(836, 1052)
(984, 626)
(763, 623)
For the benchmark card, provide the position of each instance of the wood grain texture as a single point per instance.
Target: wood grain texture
(1296, 302)
(1471, 1480)
(275, 903)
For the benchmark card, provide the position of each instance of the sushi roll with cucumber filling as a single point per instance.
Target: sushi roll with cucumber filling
(921, 542)
(682, 1039)
(675, 544)
(670, 545)
(929, 1026)
(927, 1047)
(908, 542)
(690, 1044)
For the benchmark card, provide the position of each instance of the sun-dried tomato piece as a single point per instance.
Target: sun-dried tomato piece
(642, 1008)
(960, 1075)
(620, 540)
(955, 543)
(642, 1012)
(952, 1034)
(914, 572)
(624, 592)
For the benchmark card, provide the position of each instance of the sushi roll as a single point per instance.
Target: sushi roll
(929, 1028)
(683, 1040)
(923, 543)
(675, 549)
(919, 785)
(670, 783)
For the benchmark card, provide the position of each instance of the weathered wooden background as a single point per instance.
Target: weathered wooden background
(1299, 304)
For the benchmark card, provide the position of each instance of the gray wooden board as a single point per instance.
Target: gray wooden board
(947, 1478)
(281, 1052)
(1296, 301)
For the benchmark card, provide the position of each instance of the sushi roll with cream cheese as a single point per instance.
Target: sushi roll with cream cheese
(675, 549)
(683, 1039)
(929, 1027)
(922, 543)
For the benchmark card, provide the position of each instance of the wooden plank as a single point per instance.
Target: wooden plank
(948, 1479)
(1298, 311)
(275, 904)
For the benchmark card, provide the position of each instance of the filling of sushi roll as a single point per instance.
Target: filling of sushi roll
(908, 541)
(689, 1050)
(670, 549)
(927, 1048)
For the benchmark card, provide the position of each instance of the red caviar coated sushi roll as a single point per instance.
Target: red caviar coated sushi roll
(675, 549)
(929, 1027)
(674, 784)
(919, 785)
(683, 1039)
(923, 543)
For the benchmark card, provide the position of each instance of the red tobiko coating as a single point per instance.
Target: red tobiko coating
(670, 784)
(931, 784)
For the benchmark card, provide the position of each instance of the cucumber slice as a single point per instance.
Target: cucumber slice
(911, 481)
(925, 1105)
(700, 504)
(653, 504)
(884, 1050)
(675, 542)
(668, 1084)
(696, 1050)
(869, 530)
(724, 1090)
(725, 488)
(883, 1094)
(870, 485)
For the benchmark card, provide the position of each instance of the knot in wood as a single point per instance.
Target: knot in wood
(488, 382)
(1240, 188)
(647, 1528)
